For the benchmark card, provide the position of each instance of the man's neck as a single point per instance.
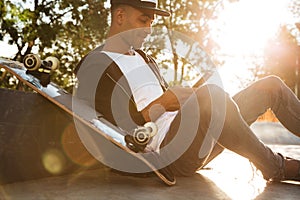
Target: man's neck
(115, 43)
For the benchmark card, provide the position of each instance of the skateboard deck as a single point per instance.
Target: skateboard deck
(38, 80)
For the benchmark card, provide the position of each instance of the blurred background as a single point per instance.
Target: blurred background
(245, 39)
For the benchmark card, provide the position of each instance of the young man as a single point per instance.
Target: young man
(194, 124)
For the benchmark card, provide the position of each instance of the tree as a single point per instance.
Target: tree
(295, 9)
(281, 58)
(67, 29)
(282, 53)
(185, 35)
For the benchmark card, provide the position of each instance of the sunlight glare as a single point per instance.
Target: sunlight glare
(235, 176)
(244, 27)
(234, 76)
(242, 30)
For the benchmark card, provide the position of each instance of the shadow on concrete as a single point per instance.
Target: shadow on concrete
(37, 139)
(280, 191)
(103, 184)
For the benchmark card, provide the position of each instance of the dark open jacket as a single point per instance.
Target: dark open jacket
(101, 82)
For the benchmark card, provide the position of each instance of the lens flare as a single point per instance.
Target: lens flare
(74, 148)
(235, 176)
(54, 161)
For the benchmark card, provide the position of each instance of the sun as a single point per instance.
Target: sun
(241, 30)
(245, 26)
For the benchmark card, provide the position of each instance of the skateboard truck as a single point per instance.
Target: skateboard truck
(141, 136)
(40, 68)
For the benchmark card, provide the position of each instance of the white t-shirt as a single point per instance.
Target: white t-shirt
(145, 88)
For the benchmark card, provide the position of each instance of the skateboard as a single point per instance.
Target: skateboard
(35, 74)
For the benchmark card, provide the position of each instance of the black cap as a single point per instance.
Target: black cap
(146, 4)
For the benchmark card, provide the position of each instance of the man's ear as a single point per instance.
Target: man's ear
(120, 15)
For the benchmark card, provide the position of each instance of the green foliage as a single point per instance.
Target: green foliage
(282, 54)
(295, 8)
(9, 81)
(191, 19)
(67, 29)
(282, 58)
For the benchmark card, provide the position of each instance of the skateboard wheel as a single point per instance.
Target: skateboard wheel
(131, 144)
(142, 135)
(32, 62)
(152, 128)
(54, 62)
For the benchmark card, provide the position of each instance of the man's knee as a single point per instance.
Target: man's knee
(212, 97)
(210, 91)
(272, 79)
(270, 83)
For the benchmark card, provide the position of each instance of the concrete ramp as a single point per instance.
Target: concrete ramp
(228, 177)
(274, 133)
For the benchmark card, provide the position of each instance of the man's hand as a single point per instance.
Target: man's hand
(171, 100)
(175, 97)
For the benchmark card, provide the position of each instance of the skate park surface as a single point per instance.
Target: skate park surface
(229, 176)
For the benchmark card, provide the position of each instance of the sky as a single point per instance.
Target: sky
(7, 50)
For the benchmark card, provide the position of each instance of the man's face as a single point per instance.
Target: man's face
(136, 25)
